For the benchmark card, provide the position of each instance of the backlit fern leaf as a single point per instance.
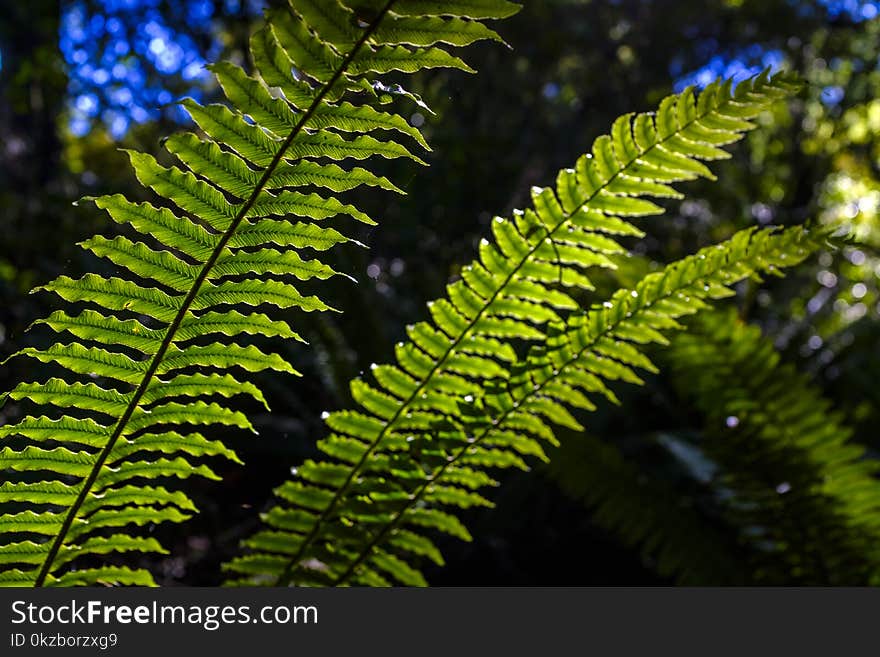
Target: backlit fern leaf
(148, 357)
(808, 495)
(578, 362)
(386, 454)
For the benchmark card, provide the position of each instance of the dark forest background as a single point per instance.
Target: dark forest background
(81, 79)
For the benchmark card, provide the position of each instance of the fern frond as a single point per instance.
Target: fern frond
(647, 513)
(504, 297)
(579, 360)
(808, 494)
(237, 209)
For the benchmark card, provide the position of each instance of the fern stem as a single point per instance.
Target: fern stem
(133, 404)
(285, 577)
(438, 474)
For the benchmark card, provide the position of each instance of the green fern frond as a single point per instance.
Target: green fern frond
(246, 196)
(674, 537)
(505, 297)
(809, 495)
(580, 360)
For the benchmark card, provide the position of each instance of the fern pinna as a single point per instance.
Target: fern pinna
(431, 425)
(151, 349)
(808, 495)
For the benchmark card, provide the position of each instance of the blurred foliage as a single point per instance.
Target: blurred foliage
(777, 458)
(129, 60)
(575, 65)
